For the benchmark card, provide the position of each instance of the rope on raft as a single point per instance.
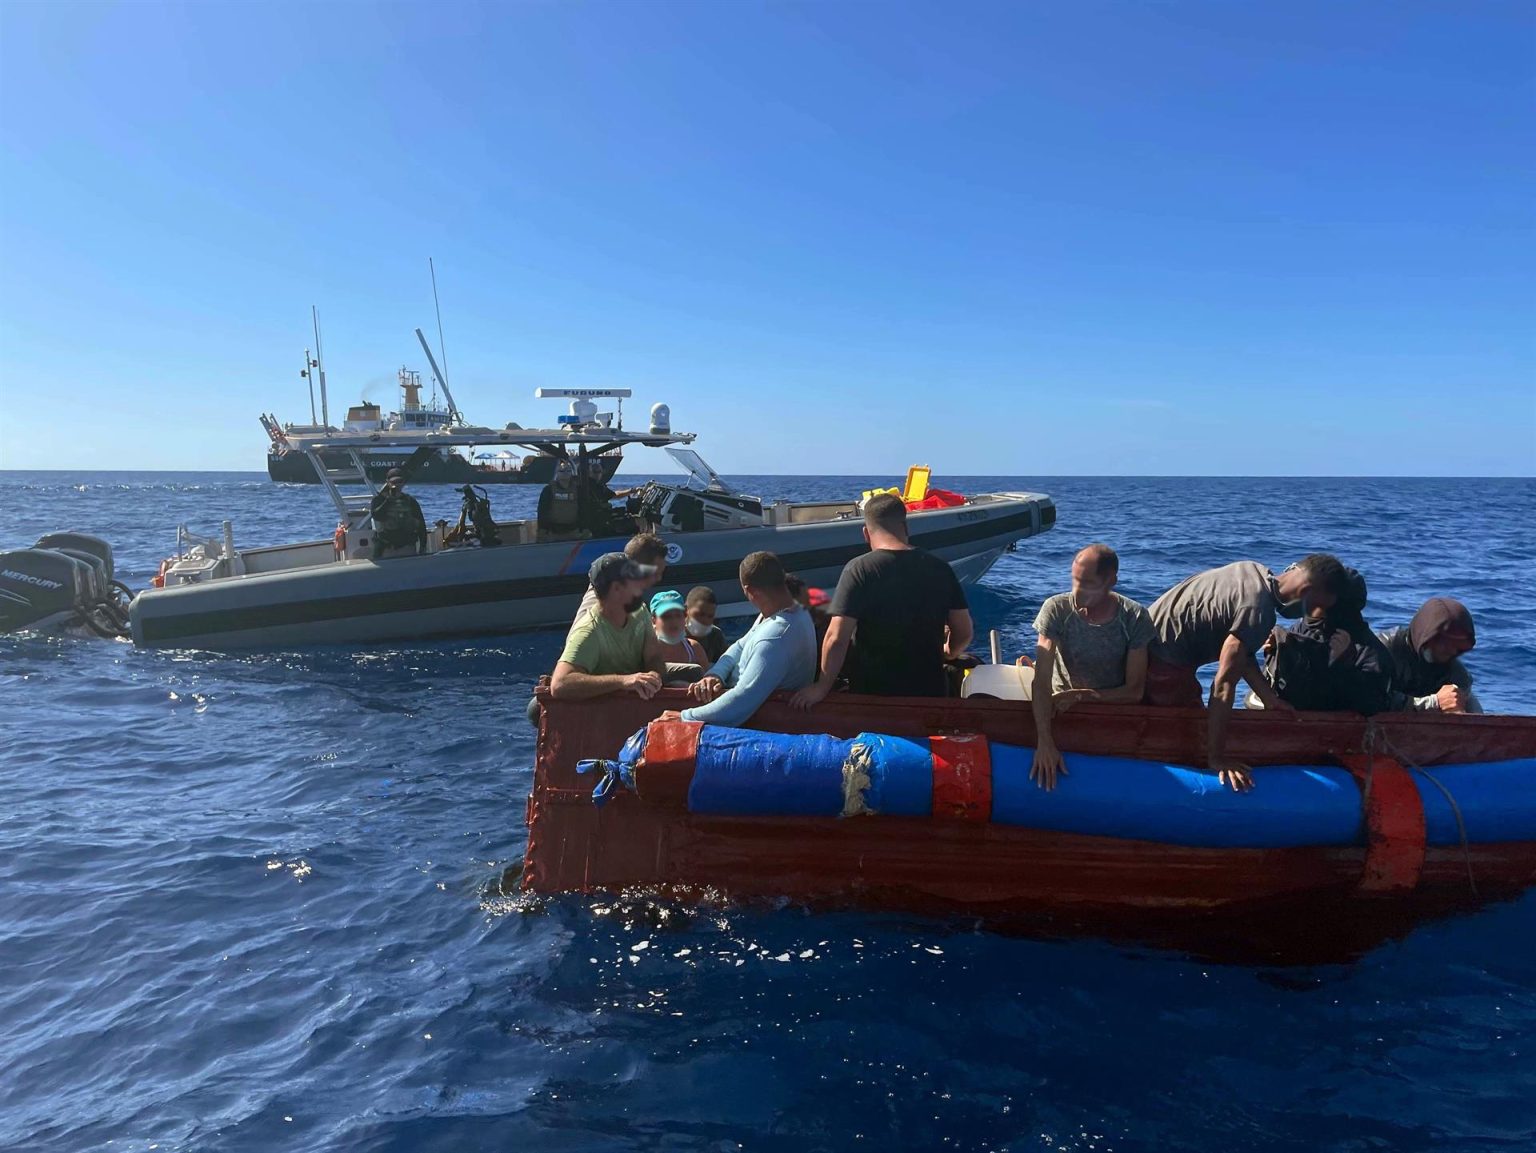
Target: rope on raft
(1375, 739)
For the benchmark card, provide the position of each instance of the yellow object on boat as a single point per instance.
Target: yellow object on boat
(917, 482)
(915, 488)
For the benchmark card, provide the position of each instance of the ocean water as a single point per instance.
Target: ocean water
(253, 903)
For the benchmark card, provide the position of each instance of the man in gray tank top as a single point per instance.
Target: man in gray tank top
(1092, 647)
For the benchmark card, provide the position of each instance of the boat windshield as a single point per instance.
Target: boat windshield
(706, 477)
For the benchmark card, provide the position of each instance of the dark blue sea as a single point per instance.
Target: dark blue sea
(252, 902)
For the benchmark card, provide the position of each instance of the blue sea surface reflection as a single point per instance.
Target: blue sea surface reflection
(256, 902)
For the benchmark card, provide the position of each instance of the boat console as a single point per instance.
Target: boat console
(668, 508)
(703, 501)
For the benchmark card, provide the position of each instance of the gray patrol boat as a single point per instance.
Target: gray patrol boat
(213, 595)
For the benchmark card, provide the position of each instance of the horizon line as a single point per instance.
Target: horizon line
(861, 475)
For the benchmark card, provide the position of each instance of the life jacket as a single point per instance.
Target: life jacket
(1326, 668)
(564, 513)
(397, 518)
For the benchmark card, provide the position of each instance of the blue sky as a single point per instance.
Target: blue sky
(1024, 238)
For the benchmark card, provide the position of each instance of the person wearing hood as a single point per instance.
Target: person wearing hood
(559, 512)
(1330, 660)
(1224, 615)
(1427, 673)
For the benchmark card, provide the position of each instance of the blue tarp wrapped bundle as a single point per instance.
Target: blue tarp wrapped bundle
(742, 772)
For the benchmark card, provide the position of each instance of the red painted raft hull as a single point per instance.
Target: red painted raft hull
(1335, 899)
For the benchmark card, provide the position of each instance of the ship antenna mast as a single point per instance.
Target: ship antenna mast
(308, 374)
(325, 407)
(453, 409)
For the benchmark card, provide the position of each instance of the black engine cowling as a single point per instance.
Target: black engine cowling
(67, 578)
(39, 587)
(82, 542)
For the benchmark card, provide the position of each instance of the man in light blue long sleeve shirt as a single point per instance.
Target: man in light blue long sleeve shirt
(778, 652)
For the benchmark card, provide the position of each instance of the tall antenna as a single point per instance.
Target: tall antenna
(441, 350)
(307, 372)
(453, 409)
(325, 408)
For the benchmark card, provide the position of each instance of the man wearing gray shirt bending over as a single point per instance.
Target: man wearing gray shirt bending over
(1092, 647)
(1224, 615)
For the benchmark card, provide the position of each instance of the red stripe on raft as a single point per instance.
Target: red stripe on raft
(666, 772)
(962, 777)
(1394, 824)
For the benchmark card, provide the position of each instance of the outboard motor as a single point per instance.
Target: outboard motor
(40, 587)
(80, 542)
(66, 578)
(99, 587)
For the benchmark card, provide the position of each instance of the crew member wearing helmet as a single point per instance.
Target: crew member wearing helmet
(397, 521)
(559, 512)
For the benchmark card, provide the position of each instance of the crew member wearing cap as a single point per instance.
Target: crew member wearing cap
(645, 549)
(559, 512)
(1426, 671)
(671, 625)
(397, 520)
(611, 648)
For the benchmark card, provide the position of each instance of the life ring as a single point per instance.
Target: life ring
(158, 580)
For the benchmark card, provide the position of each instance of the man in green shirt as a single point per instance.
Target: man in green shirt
(612, 647)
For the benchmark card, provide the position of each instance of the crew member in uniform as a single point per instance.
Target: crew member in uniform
(559, 512)
(397, 520)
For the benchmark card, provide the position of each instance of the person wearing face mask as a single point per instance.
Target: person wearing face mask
(778, 652)
(701, 609)
(900, 610)
(1426, 672)
(1092, 647)
(681, 652)
(612, 648)
(645, 549)
(1224, 615)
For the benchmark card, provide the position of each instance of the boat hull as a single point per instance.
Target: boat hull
(470, 591)
(445, 468)
(1291, 903)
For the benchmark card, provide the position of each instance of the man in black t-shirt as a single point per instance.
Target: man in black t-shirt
(901, 610)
